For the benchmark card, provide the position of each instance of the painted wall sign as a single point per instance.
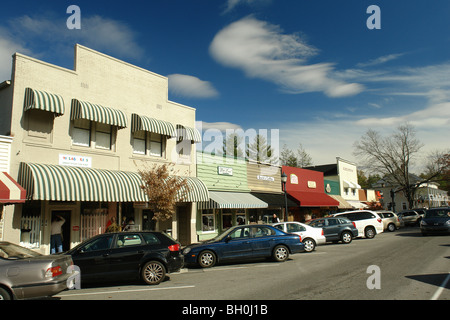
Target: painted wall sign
(75, 161)
(293, 178)
(265, 178)
(312, 184)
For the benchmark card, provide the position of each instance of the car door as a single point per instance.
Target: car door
(92, 257)
(237, 244)
(263, 240)
(333, 228)
(126, 254)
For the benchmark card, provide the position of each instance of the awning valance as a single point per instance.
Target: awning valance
(143, 123)
(66, 183)
(343, 204)
(232, 200)
(10, 191)
(275, 199)
(188, 133)
(41, 100)
(97, 113)
(313, 199)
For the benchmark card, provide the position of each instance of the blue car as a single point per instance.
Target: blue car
(244, 242)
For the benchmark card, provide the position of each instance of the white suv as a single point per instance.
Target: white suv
(368, 223)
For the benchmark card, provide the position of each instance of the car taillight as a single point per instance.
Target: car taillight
(354, 224)
(53, 272)
(322, 231)
(174, 247)
(300, 238)
(379, 220)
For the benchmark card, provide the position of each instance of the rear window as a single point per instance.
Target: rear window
(438, 213)
(14, 252)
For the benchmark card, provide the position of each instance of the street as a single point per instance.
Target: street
(392, 266)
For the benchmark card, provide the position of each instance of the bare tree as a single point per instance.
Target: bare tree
(164, 189)
(391, 156)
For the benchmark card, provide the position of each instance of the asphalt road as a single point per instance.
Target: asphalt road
(401, 265)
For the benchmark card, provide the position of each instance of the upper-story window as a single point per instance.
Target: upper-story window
(95, 126)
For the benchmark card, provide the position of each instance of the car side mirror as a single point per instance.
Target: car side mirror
(227, 238)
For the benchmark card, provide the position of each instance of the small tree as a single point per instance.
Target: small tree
(164, 189)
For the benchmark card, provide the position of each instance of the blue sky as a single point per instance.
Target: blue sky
(310, 69)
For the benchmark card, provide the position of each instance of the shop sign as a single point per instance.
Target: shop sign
(75, 161)
(225, 171)
(76, 228)
(294, 179)
(265, 178)
(312, 184)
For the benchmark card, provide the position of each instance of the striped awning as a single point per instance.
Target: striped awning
(232, 200)
(188, 133)
(66, 183)
(97, 113)
(10, 191)
(41, 100)
(143, 123)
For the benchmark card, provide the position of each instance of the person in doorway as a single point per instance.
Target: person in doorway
(56, 237)
(275, 218)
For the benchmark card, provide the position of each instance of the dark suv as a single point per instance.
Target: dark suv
(336, 228)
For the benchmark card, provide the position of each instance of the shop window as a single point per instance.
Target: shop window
(208, 222)
(86, 134)
(94, 218)
(103, 134)
(81, 133)
(139, 142)
(227, 220)
(155, 145)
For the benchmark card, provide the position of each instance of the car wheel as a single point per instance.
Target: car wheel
(280, 253)
(153, 272)
(207, 259)
(346, 237)
(310, 244)
(4, 294)
(391, 227)
(369, 232)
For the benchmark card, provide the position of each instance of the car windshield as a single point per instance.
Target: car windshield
(12, 251)
(441, 213)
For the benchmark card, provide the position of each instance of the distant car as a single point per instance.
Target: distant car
(410, 217)
(27, 274)
(436, 220)
(336, 228)
(391, 222)
(311, 237)
(145, 255)
(244, 242)
(368, 223)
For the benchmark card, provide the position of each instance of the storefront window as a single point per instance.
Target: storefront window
(208, 220)
(227, 219)
(94, 217)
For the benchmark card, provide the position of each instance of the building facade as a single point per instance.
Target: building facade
(80, 137)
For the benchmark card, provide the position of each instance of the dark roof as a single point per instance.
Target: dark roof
(327, 169)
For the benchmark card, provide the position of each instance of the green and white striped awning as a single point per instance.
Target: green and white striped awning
(97, 113)
(232, 200)
(143, 123)
(188, 133)
(66, 183)
(41, 100)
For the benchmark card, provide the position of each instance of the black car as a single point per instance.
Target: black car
(436, 220)
(336, 228)
(147, 255)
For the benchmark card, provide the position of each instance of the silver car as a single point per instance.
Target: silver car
(28, 274)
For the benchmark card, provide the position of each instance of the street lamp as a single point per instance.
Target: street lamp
(283, 181)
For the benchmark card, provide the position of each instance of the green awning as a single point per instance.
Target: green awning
(41, 100)
(66, 183)
(188, 133)
(97, 113)
(143, 123)
(232, 200)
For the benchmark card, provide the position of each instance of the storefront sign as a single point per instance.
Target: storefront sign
(312, 184)
(76, 228)
(294, 179)
(225, 171)
(75, 161)
(265, 178)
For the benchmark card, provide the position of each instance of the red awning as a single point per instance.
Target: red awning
(313, 199)
(10, 190)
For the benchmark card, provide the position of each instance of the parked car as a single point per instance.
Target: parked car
(244, 242)
(410, 217)
(336, 228)
(391, 222)
(27, 274)
(368, 223)
(145, 255)
(436, 220)
(311, 237)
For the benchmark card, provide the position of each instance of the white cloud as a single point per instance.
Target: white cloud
(8, 47)
(262, 51)
(380, 60)
(192, 87)
(231, 4)
(220, 126)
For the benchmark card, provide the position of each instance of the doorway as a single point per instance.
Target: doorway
(65, 229)
(184, 224)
